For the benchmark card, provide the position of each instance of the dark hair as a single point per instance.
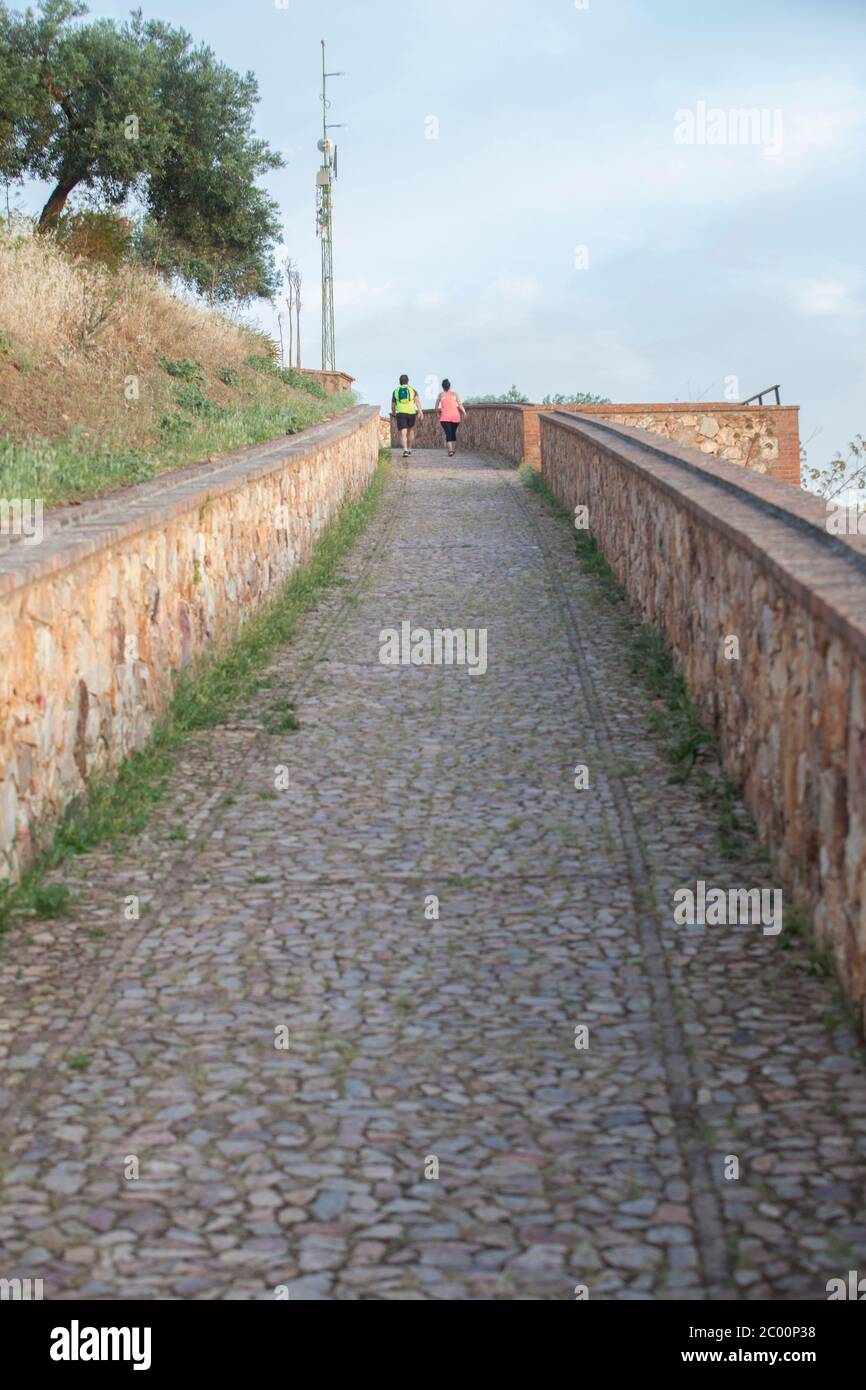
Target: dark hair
(446, 385)
(404, 380)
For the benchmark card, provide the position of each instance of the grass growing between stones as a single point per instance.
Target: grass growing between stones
(116, 808)
(673, 715)
(692, 748)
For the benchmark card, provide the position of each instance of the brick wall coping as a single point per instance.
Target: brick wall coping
(637, 407)
(329, 371)
(72, 533)
(783, 528)
(648, 407)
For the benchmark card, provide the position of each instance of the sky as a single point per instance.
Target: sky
(555, 194)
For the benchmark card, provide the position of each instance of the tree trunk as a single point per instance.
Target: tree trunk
(50, 214)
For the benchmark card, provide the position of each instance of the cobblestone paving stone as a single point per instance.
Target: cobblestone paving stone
(409, 1038)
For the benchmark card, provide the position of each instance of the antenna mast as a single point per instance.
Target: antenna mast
(325, 222)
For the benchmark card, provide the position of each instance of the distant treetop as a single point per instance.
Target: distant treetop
(512, 397)
(515, 397)
(576, 398)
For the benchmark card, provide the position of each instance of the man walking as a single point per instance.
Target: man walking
(406, 406)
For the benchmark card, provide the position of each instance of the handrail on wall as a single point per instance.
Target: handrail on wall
(761, 394)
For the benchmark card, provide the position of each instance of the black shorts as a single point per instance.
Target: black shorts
(450, 427)
(406, 422)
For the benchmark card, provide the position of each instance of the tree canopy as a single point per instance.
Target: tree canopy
(137, 110)
(512, 396)
(576, 398)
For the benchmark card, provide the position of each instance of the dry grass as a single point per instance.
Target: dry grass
(47, 301)
(73, 334)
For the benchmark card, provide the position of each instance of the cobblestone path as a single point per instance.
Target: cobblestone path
(153, 1043)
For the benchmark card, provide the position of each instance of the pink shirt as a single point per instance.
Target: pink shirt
(448, 408)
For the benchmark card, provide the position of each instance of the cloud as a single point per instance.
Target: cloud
(359, 296)
(515, 289)
(633, 160)
(826, 298)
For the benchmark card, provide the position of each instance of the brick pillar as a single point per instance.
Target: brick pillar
(531, 436)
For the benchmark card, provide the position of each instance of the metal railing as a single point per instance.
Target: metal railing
(760, 396)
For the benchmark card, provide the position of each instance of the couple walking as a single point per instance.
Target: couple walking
(406, 406)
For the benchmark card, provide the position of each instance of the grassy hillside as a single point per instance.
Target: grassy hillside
(106, 378)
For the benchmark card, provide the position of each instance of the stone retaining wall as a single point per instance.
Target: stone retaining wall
(706, 551)
(124, 591)
(763, 438)
(333, 382)
(494, 429)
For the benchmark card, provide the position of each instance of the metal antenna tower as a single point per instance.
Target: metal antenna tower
(325, 222)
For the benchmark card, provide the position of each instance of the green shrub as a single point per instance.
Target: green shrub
(289, 376)
(173, 426)
(90, 235)
(191, 397)
(304, 383)
(182, 367)
(51, 899)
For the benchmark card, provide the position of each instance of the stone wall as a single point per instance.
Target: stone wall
(495, 429)
(762, 438)
(125, 590)
(333, 382)
(492, 429)
(706, 550)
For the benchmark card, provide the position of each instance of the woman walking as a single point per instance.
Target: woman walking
(451, 411)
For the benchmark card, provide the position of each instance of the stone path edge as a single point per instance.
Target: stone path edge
(88, 1012)
(682, 1088)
